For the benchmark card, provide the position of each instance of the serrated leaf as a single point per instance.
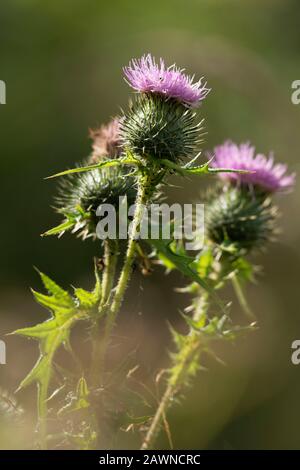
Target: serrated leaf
(179, 260)
(89, 299)
(184, 264)
(86, 299)
(54, 332)
(51, 334)
(54, 288)
(53, 303)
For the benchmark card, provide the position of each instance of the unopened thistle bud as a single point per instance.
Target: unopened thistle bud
(161, 122)
(81, 194)
(239, 219)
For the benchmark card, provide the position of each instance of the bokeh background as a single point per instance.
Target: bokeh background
(62, 64)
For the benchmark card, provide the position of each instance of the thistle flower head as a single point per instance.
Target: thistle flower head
(235, 217)
(266, 175)
(81, 194)
(106, 141)
(154, 127)
(146, 76)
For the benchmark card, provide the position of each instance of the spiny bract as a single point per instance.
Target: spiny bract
(160, 128)
(81, 194)
(238, 218)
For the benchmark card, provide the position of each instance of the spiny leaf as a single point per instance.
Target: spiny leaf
(55, 331)
(179, 260)
(199, 170)
(195, 324)
(61, 228)
(54, 288)
(205, 169)
(86, 299)
(178, 338)
(51, 334)
(54, 303)
(129, 160)
(39, 331)
(89, 299)
(184, 264)
(73, 221)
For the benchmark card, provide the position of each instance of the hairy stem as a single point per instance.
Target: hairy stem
(144, 193)
(177, 376)
(110, 262)
(142, 199)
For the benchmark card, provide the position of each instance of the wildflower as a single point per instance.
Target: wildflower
(161, 122)
(146, 76)
(265, 174)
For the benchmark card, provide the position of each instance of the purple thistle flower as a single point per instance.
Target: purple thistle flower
(268, 176)
(146, 76)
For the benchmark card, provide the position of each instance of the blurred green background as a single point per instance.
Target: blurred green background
(62, 63)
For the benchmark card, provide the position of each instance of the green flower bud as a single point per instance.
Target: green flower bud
(81, 194)
(238, 218)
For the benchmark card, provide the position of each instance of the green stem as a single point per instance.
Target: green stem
(142, 198)
(42, 414)
(178, 373)
(110, 262)
(143, 195)
(141, 201)
(241, 298)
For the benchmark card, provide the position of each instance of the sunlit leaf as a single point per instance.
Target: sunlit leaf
(55, 332)
(204, 262)
(184, 263)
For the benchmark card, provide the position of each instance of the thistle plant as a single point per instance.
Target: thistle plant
(240, 218)
(160, 134)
